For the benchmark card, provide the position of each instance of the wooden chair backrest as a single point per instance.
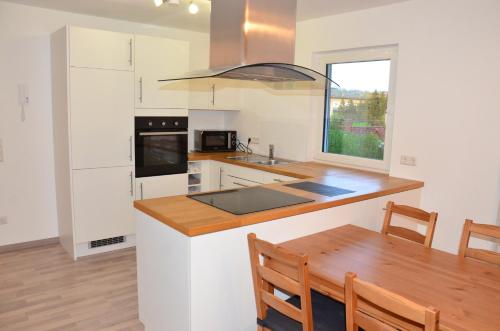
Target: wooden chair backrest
(419, 214)
(476, 253)
(265, 279)
(385, 311)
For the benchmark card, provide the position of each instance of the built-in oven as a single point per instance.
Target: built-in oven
(161, 146)
(215, 140)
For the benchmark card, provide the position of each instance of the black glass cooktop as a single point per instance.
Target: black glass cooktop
(248, 200)
(326, 190)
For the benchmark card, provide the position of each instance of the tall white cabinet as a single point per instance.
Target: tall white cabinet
(93, 109)
(100, 79)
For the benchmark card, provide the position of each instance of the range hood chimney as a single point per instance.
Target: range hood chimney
(255, 40)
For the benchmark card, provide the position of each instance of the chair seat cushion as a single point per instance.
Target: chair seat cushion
(328, 315)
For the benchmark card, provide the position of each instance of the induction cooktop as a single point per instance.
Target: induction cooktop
(248, 200)
(326, 190)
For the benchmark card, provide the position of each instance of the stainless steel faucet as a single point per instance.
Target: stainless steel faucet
(271, 151)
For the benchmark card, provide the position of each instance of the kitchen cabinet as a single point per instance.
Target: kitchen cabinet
(101, 106)
(214, 94)
(161, 186)
(238, 177)
(103, 203)
(270, 177)
(100, 49)
(230, 182)
(155, 59)
(93, 122)
(224, 176)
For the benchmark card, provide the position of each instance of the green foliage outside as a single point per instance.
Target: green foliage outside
(360, 124)
(369, 111)
(346, 143)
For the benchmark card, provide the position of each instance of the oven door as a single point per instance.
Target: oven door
(217, 141)
(159, 153)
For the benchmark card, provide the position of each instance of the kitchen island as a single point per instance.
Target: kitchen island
(192, 258)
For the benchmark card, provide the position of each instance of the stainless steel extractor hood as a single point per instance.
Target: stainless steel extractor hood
(254, 40)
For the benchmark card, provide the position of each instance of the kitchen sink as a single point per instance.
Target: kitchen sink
(239, 158)
(271, 162)
(259, 159)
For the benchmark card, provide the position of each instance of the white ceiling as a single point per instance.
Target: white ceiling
(144, 11)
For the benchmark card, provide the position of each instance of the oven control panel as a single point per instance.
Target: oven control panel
(155, 123)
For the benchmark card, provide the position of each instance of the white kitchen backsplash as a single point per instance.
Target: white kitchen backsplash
(208, 120)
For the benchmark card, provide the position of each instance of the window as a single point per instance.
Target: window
(357, 117)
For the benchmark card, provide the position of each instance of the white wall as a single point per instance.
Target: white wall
(27, 189)
(447, 109)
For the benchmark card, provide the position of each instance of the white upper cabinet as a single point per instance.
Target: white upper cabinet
(101, 112)
(100, 49)
(214, 94)
(155, 59)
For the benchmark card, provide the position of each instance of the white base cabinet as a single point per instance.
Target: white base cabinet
(103, 203)
(161, 186)
(224, 176)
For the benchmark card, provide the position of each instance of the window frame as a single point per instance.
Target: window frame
(350, 56)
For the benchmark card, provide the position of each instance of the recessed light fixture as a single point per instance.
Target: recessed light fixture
(193, 8)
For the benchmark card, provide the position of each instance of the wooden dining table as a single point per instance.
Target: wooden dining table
(465, 291)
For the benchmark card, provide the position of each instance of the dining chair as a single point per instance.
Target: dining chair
(412, 212)
(304, 310)
(479, 254)
(383, 310)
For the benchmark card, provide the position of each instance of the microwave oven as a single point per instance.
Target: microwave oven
(214, 141)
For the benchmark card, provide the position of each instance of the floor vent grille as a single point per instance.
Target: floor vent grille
(106, 242)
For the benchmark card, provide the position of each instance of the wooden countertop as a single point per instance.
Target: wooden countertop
(194, 218)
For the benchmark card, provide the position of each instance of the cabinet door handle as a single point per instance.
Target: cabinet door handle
(278, 180)
(130, 52)
(220, 179)
(131, 148)
(140, 90)
(142, 191)
(213, 94)
(236, 183)
(132, 183)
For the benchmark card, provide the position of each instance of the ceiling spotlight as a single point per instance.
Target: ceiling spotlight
(158, 3)
(193, 8)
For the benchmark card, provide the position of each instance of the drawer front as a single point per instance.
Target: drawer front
(245, 173)
(270, 177)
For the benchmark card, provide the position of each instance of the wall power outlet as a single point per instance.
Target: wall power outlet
(255, 140)
(3, 220)
(408, 160)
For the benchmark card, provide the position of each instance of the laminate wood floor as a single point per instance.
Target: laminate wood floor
(44, 289)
